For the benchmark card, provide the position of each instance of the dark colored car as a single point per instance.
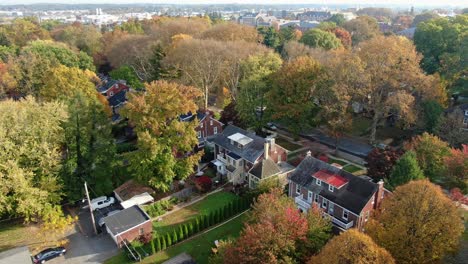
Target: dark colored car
(48, 254)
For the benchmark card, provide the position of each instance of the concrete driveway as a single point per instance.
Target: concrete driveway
(85, 246)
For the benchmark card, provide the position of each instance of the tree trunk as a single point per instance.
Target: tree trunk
(375, 120)
(206, 98)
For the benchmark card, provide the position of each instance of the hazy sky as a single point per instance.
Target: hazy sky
(324, 2)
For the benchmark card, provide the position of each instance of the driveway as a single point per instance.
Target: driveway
(85, 246)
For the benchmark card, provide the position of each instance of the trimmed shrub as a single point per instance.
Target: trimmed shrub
(186, 231)
(163, 243)
(174, 237)
(169, 240)
(197, 225)
(190, 229)
(181, 233)
(158, 244)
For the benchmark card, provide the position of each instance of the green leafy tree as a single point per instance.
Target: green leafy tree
(318, 233)
(406, 169)
(252, 101)
(21, 31)
(423, 17)
(338, 19)
(362, 28)
(161, 135)
(271, 37)
(317, 38)
(132, 26)
(432, 112)
(290, 98)
(128, 74)
(86, 38)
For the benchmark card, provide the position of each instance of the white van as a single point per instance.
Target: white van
(101, 202)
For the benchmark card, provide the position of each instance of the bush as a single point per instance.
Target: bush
(174, 237)
(168, 239)
(125, 147)
(203, 183)
(197, 225)
(163, 243)
(190, 231)
(181, 233)
(186, 231)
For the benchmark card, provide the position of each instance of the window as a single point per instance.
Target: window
(309, 196)
(324, 203)
(211, 122)
(316, 198)
(298, 189)
(111, 93)
(142, 231)
(330, 188)
(201, 125)
(198, 134)
(215, 130)
(319, 182)
(367, 216)
(345, 214)
(465, 120)
(331, 208)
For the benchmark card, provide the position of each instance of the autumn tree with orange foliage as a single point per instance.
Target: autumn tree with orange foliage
(457, 168)
(418, 223)
(352, 246)
(274, 231)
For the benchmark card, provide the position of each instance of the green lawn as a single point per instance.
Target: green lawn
(360, 125)
(210, 203)
(199, 247)
(332, 160)
(287, 144)
(351, 168)
(13, 235)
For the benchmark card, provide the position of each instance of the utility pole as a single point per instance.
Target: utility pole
(90, 208)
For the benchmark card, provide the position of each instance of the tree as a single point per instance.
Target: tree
(22, 31)
(293, 50)
(191, 229)
(181, 233)
(423, 17)
(231, 32)
(430, 152)
(392, 79)
(352, 246)
(318, 233)
(163, 243)
(317, 38)
(203, 183)
(132, 26)
(450, 129)
(274, 229)
(186, 231)
(417, 224)
(162, 137)
(291, 94)
(457, 168)
(380, 162)
(343, 35)
(59, 53)
(338, 19)
(158, 244)
(432, 112)
(168, 239)
(362, 28)
(254, 85)
(271, 38)
(230, 115)
(437, 37)
(406, 169)
(128, 74)
(86, 38)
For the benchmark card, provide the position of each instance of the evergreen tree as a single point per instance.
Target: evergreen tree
(158, 244)
(169, 239)
(405, 170)
(231, 208)
(202, 222)
(174, 237)
(197, 225)
(186, 231)
(152, 246)
(157, 69)
(190, 229)
(181, 233)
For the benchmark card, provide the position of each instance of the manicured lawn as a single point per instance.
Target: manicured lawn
(287, 145)
(360, 125)
(13, 235)
(332, 160)
(210, 203)
(199, 247)
(351, 168)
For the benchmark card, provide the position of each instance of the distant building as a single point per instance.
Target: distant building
(346, 199)
(460, 112)
(409, 32)
(249, 19)
(207, 127)
(314, 15)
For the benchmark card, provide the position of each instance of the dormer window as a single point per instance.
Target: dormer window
(330, 188)
(319, 182)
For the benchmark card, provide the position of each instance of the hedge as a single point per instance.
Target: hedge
(192, 227)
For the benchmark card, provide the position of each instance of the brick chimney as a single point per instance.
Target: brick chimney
(379, 194)
(266, 149)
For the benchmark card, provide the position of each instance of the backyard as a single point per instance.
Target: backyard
(287, 144)
(13, 235)
(209, 203)
(351, 168)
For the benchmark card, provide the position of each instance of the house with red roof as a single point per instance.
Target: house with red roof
(348, 200)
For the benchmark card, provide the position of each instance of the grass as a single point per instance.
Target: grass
(360, 125)
(199, 247)
(342, 163)
(351, 168)
(13, 235)
(287, 144)
(210, 203)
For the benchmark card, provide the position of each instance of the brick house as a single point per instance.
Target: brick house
(347, 199)
(113, 87)
(245, 158)
(207, 128)
(460, 113)
(128, 224)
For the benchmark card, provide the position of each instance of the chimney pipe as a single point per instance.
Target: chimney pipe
(266, 150)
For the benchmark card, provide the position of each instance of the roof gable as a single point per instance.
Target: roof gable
(250, 152)
(265, 168)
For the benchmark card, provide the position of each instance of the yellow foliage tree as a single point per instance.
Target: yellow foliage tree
(352, 247)
(417, 224)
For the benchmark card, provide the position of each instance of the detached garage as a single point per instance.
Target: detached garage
(128, 224)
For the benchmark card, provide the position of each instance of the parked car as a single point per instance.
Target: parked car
(101, 202)
(101, 221)
(48, 254)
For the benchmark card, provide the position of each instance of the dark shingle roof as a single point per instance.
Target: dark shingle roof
(265, 168)
(125, 219)
(118, 99)
(106, 86)
(190, 116)
(353, 196)
(250, 152)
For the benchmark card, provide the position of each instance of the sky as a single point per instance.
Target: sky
(322, 2)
